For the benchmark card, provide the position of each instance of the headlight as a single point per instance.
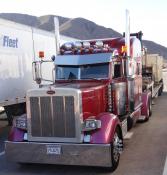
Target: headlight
(91, 124)
(20, 122)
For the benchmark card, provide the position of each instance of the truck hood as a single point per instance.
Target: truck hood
(83, 86)
(94, 98)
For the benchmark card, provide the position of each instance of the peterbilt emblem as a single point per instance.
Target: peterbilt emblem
(50, 91)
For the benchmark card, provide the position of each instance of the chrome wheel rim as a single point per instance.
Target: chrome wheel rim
(148, 110)
(150, 106)
(116, 153)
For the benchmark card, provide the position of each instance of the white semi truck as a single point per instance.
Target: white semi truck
(19, 47)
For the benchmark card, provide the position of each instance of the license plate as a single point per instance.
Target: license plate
(53, 149)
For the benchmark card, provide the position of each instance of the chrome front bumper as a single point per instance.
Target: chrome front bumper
(70, 154)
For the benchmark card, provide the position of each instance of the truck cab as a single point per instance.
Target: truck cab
(82, 117)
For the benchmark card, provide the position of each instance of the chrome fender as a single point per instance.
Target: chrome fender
(105, 134)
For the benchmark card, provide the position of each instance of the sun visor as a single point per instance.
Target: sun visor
(83, 59)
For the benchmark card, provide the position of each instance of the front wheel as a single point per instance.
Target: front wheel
(116, 149)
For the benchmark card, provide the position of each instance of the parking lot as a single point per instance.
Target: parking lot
(144, 154)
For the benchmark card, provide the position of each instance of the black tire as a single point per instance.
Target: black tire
(129, 123)
(8, 110)
(14, 110)
(150, 107)
(160, 91)
(115, 150)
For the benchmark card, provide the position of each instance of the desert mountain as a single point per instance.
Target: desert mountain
(77, 28)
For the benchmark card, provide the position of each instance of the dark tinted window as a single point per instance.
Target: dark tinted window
(117, 72)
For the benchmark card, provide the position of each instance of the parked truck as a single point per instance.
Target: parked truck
(83, 116)
(152, 73)
(19, 47)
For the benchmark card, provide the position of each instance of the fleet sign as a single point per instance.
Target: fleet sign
(9, 42)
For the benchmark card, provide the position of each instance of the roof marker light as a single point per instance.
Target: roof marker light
(41, 54)
(86, 44)
(77, 44)
(68, 46)
(124, 49)
(99, 44)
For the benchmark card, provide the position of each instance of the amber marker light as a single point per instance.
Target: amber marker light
(41, 54)
(124, 49)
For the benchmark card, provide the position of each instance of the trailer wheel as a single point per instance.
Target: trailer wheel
(150, 107)
(116, 149)
(149, 110)
(160, 91)
(130, 123)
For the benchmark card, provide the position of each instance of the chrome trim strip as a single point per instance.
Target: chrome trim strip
(64, 105)
(138, 106)
(40, 114)
(52, 116)
(132, 114)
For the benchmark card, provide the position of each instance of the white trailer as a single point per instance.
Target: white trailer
(19, 47)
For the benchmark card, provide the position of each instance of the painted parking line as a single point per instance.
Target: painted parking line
(165, 168)
(2, 153)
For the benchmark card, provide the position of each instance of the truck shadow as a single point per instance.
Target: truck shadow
(61, 169)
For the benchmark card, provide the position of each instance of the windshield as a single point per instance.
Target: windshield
(82, 72)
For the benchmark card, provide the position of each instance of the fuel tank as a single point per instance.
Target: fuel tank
(119, 98)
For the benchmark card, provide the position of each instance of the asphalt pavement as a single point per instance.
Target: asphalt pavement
(144, 154)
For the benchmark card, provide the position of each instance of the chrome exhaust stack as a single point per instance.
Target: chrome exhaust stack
(127, 32)
(129, 61)
(57, 35)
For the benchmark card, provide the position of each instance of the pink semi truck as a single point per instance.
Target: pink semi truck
(82, 117)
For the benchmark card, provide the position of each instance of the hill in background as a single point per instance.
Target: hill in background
(77, 28)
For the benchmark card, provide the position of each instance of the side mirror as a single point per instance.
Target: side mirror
(53, 57)
(36, 68)
(43, 72)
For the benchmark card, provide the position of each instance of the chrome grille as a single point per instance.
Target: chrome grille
(52, 116)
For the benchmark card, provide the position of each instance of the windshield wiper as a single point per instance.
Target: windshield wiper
(61, 78)
(93, 79)
(67, 79)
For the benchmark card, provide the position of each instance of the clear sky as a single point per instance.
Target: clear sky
(150, 16)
